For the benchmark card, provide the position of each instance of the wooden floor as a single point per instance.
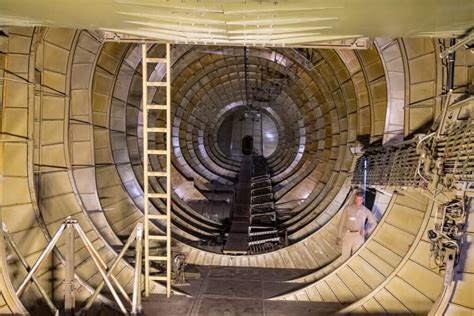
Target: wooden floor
(236, 291)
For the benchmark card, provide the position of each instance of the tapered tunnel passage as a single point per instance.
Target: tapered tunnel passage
(264, 145)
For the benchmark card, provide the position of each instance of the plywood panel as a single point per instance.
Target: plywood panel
(395, 239)
(339, 288)
(425, 280)
(365, 271)
(415, 301)
(353, 282)
(390, 303)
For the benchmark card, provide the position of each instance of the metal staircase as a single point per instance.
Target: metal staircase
(165, 215)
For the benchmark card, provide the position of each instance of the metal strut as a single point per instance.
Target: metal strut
(70, 227)
(164, 215)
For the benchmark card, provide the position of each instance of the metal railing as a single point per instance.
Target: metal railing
(388, 166)
(442, 159)
(69, 228)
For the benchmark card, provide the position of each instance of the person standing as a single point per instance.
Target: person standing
(351, 229)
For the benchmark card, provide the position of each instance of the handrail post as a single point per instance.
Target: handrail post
(69, 290)
(136, 301)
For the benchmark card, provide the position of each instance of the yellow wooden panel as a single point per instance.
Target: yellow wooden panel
(421, 255)
(15, 191)
(377, 262)
(350, 60)
(60, 36)
(16, 163)
(395, 239)
(278, 260)
(389, 303)
(468, 264)
(15, 121)
(302, 296)
(109, 62)
(103, 83)
(325, 292)
(415, 301)
(366, 272)
(412, 200)
(80, 104)
(82, 153)
(353, 282)
(54, 80)
(360, 86)
(81, 132)
(53, 155)
(426, 281)
(373, 307)
(4, 309)
(19, 217)
(399, 215)
(55, 58)
(30, 241)
(295, 256)
(287, 259)
(418, 46)
(291, 297)
(464, 294)
(112, 194)
(107, 176)
(313, 294)
(19, 44)
(55, 183)
(192, 254)
(422, 68)
(58, 207)
(343, 293)
(458, 310)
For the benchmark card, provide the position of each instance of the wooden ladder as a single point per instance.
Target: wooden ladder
(147, 107)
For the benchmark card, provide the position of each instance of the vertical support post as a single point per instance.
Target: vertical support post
(139, 263)
(168, 170)
(145, 166)
(136, 300)
(450, 69)
(261, 132)
(69, 291)
(364, 186)
(449, 274)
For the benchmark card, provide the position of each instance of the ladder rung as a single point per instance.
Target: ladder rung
(157, 195)
(157, 216)
(156, 107)
(157, 237)
(158, 278)
(157, 152)
(155, 60)
(156, 83)
(157, 258)
(156, 129)
(157, 174)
